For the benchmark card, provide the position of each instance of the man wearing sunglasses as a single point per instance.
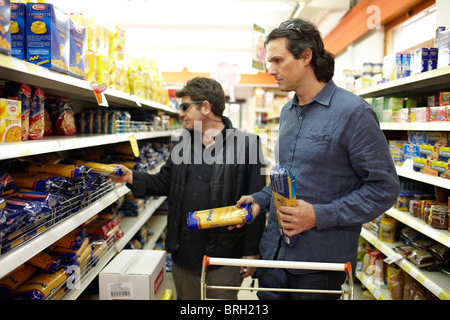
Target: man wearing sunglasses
(331, 141)
(211, 166)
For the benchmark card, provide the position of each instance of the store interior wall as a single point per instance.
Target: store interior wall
(369, 48)
(442, 10)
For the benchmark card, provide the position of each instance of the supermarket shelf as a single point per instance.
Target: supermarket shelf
(61, 84)
(11, 260)
(73, 294)
(427, 82)
(406, 170)
(440, 235)
(131, 225)
(416, 126)
(379, 293)
(157, 225)
(60, 143)
(436, 282)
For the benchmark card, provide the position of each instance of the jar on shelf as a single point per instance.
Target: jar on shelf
(438, 216)
(403, 201)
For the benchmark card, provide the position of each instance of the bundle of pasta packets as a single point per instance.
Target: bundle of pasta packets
(98, 168)
(219, 217)
(283, 191)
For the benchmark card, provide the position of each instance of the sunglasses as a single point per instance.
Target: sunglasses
(290, 26)
(186, 105)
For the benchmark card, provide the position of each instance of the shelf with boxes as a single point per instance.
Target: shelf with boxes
(435, 282)
(104, 221)
(152, 127)
(56, 83)
(413, 107)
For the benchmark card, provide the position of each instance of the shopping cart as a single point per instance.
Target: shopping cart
(346, 291)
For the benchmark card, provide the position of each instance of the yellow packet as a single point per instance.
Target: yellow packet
(219, 217)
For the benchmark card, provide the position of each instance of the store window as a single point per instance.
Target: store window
(416, 30)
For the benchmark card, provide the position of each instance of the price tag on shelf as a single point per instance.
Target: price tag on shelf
(134, 145)
(99, 92)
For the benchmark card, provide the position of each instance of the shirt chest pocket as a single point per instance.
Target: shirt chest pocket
(321, 138)
(316, 146)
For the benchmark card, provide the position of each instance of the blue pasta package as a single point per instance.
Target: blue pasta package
(284, 194)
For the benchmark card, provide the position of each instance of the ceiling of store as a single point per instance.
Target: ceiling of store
(200, 34)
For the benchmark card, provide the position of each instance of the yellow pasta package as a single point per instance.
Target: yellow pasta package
(14, 279)
(41, 286)
(219, 217)
(10, 120)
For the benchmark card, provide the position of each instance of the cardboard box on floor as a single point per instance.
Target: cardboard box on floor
(134, 275)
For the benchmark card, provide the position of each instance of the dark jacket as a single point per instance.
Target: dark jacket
(229, 181)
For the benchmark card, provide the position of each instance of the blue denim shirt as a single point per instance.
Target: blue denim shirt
(342, 165)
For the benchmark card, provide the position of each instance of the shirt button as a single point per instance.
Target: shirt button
(300, 117)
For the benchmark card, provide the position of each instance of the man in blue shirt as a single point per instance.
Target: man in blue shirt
(331, 141)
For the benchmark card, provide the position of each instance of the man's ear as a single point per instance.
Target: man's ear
(205, 107)
(307, 55)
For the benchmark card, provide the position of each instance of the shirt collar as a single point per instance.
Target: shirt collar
(323, 97)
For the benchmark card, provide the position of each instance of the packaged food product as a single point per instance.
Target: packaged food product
(440, 251)
(421, 258)
(37, 107)
(69, 257)
(45, 261)
(219, 217)
(48, 36)
(403, 200)
(99, 168)
(18, 26)
(284, 194)
(62, 116)
(63, 170)
(99, 247)
(395, 282)
(15, 279)
(5, 33)
(7, 184)
(50, 200)
(18, 214)
(10, 120)
(72, 241)
(41, 286)
(388, 228)
(21, 92)
(41, 182)
(438, 216)
(78, 42)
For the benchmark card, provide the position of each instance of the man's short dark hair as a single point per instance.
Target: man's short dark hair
(200, 89)
(301, 35)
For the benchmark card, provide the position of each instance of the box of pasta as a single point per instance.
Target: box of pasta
(78, 42)
(48, 37)
(17, 29)
(10, 120)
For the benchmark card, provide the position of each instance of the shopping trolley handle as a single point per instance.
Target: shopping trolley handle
(347, 267)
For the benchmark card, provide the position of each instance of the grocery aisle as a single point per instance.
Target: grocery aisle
(100, 108)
